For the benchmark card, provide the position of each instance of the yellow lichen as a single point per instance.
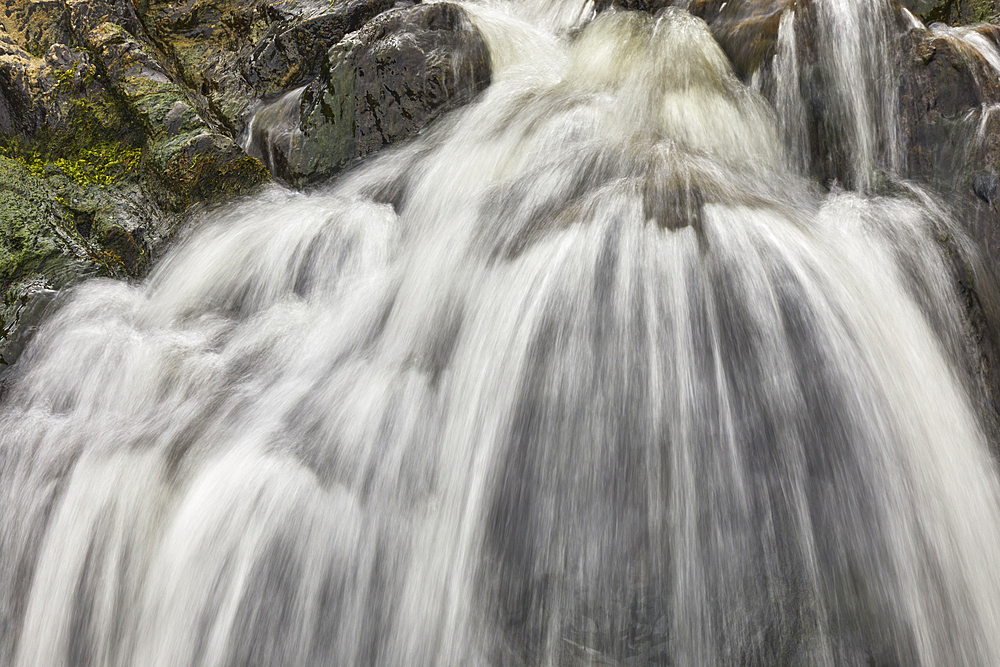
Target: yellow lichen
(100, 165)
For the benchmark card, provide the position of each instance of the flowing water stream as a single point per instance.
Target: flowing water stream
(589, 374)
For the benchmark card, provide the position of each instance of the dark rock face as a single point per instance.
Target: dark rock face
(294, 49)
(952, 11)
(943, 82)
(952, 133)
(17, 110)
(947, 111)
(986, 186)
(386, 82)
(747, 30)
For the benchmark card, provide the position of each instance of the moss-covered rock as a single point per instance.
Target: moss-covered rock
(198, 166)
(33, 240)
(61, 222)
(208, 40)
(117, 115)
(36, 25)
(185, 155)
(102, 148)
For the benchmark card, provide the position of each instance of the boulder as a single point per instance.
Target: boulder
(384, 83)
(747, 30)
(294, 49)
(945, 87)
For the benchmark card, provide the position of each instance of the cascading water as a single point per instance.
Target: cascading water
(583, 376)
(834, 81)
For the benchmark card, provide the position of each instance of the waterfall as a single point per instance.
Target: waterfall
(588, 374)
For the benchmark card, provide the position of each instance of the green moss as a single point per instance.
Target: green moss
(101, 165)
(90, 128)
(981, 11)
(202, 166)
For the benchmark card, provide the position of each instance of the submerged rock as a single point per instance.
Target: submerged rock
(986, 186)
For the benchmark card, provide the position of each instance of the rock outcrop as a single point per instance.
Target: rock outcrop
(380, 85)
(116, 116)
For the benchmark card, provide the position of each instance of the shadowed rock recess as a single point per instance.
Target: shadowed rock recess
(519, 333)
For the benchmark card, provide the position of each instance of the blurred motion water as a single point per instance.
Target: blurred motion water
(586, 375)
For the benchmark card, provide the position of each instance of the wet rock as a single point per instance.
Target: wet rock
(24, 307)
(121, 242)
(942, 84)
(142, 82)
(294, 49)
(948, 99)
(196, 166)
(69, 157)
(58, 105)
(102, 147)
(237, 52)
(385, 82)
(986, 186)
(747, 30)
(54, 232)
(207, 41)
(648, 6)
(32, 243)
(18, 113)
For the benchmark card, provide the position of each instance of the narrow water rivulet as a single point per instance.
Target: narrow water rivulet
(590, 373)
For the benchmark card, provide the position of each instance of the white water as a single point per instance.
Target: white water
(584, 376)
(840, 60)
